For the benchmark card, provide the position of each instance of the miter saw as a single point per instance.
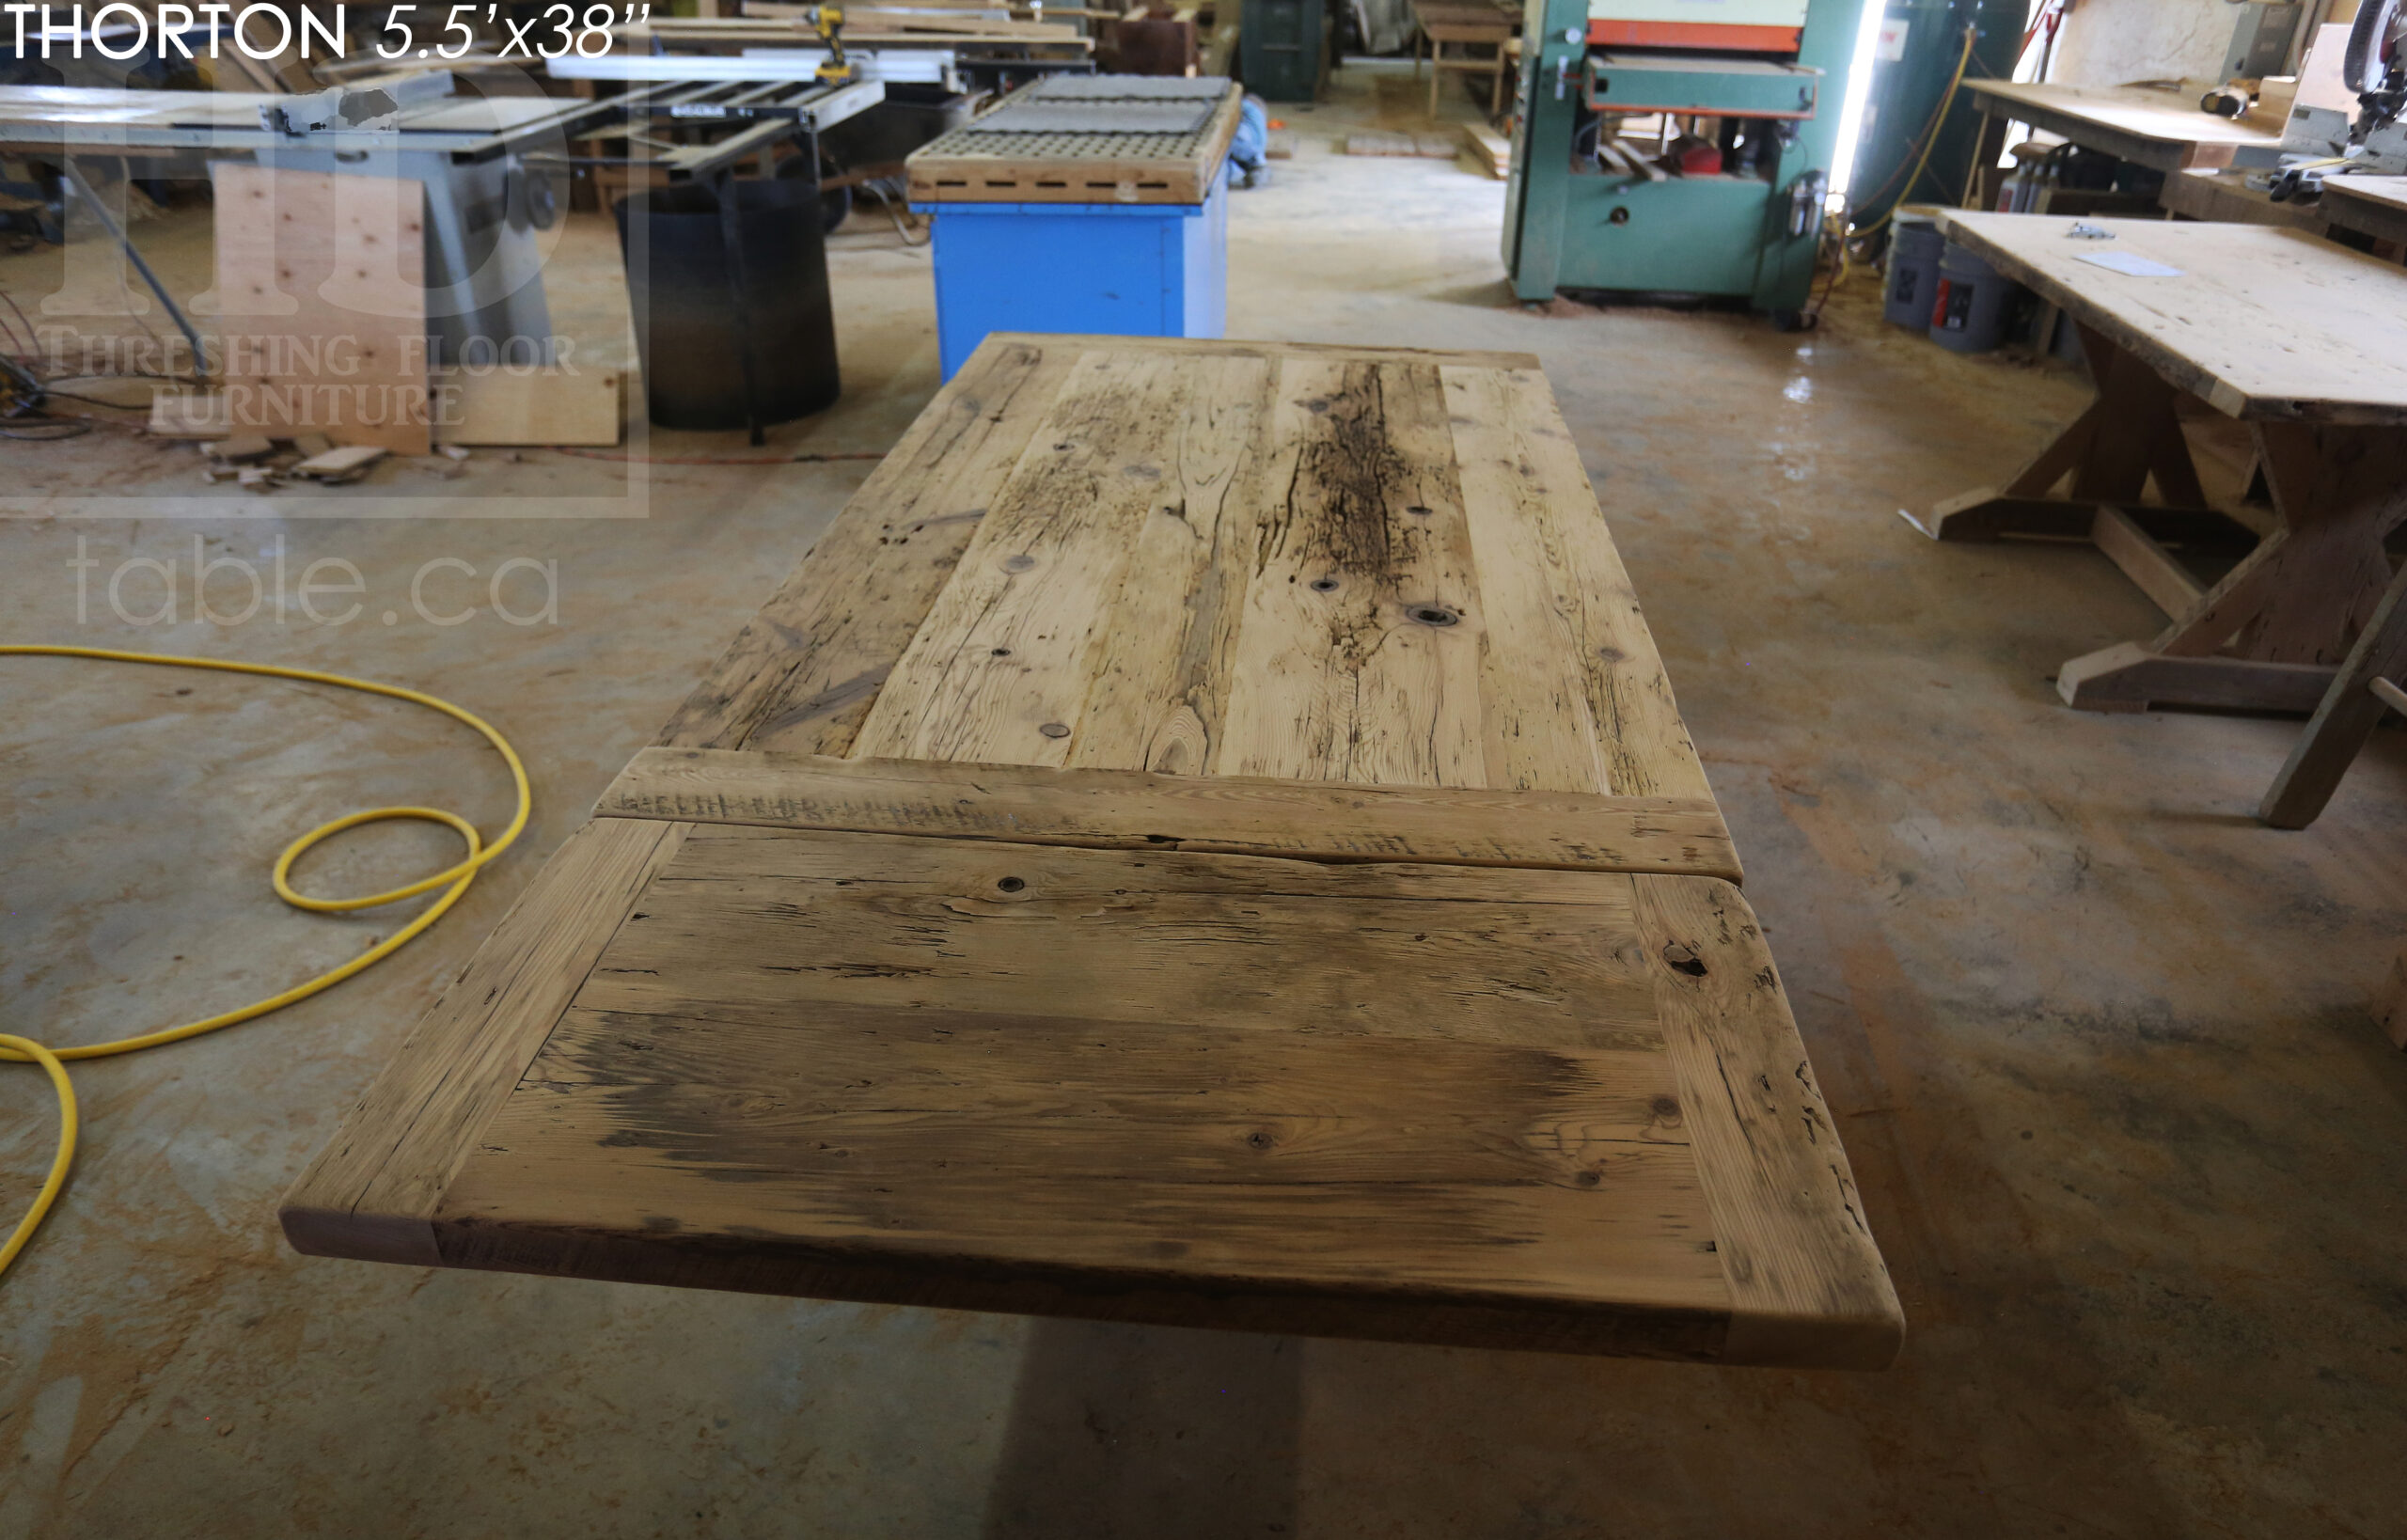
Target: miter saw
(2323, 141)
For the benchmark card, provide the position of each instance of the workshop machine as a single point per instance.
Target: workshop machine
(2323, 142)
(492, 165)
(1675, 147)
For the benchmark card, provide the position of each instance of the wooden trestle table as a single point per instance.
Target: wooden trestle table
(2304, 340)
(1207, 839)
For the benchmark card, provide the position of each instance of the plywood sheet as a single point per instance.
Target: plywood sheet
(320, 303)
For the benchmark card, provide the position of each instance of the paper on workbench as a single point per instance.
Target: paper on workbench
(2123, 261)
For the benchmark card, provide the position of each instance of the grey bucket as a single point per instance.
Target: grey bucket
(1913, 272)
(1968, 314)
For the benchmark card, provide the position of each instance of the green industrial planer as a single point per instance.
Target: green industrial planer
(1675, 146)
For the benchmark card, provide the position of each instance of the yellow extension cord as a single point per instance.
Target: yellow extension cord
(25, 1051)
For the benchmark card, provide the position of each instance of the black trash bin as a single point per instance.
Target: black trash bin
(692, 334)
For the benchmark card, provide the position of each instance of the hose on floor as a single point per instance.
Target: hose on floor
(453, 879)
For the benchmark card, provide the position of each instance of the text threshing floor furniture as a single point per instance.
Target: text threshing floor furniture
(2304, 341)
(1205, 838)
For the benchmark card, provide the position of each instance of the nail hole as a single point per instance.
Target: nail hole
(1681, 960)
(1433, 615)
(1011, 884)
(1324, 585)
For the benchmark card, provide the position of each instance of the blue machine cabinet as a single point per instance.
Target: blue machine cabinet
(1111, 269)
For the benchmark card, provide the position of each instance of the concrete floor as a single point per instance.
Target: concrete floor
(2096, 1039)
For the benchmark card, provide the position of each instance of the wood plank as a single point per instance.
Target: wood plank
(1137, 810)
(1175, 1118)
(321, 297)
(2159, 575)
(2163, 130)
(998, 672)
(2375, 206)
(538, 407)
(1491, 150)
(763, 924)
(1807, 1285)
(2130, 677)
(1213, 347)
(2343, 719)
(1577, 696)
(371, 1192)
(803, 673)
(1172, 1134)
(1160, 698)
(1357, 654)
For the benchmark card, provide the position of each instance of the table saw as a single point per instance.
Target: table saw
(491, 158)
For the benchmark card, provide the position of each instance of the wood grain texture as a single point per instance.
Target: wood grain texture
(941, 955)
(2375, 206)
(1357, 654)
(1159, 697)
(1578, 696)
(999, 670)
(1807, 1285)
(1141, 811)
(2163, 130)
(2261, 323)
(861, 1062)
(322, 305)
(370, 1193)
(803, 673)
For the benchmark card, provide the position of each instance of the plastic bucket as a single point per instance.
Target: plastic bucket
(691, 334)
(1969, 308)
(1914, 246)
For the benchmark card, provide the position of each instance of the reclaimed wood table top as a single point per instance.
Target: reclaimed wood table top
(2164, 130)
(2262, 322)
(1205, 838)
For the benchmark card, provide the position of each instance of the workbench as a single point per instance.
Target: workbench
(2304, 340)
(1205, 838)
(2164, 131)
(1466, 23)
(2374, 205)
(2222, 194)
